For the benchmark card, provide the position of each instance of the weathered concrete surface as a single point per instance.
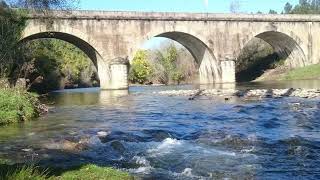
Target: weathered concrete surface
(215, 40)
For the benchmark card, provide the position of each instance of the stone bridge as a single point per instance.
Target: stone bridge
(110, 39)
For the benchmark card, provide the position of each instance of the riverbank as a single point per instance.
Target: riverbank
(284, 74)
(19, 105)
(85, 172)
(248, 93)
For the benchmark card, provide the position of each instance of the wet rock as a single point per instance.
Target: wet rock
(253, 93)
(21, 83)
(118, 146)
(298, 151)
(71, 146)
(27, 150)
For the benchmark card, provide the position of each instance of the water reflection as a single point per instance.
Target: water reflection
(218, 86)
(87, 96)
(112, 97)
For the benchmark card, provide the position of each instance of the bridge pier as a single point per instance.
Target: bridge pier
(228, 71)
(113, 74)
(214, 71)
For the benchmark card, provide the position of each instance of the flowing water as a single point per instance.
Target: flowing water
(163, 137)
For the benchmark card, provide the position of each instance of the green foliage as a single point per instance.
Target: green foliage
(86, 172)
(287, 8)
(273, 11)
(308, 72)
(169, 61)
(55, 61)
(44, 5)
(304, 7)
(140, 69)
(169, 58)
(167, 65)
(12, 24)
(14, 58)
(95, 172)
(17, 106)
(27, 173)
(177, 76)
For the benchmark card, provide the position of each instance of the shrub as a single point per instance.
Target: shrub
(140, 70)
(17, 106)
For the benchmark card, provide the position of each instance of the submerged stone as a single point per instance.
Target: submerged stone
(118, 146)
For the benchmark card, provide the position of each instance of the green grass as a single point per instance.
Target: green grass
(308, 72)
(95, 172)
(27, 173)
(83, 173)
(16, 106)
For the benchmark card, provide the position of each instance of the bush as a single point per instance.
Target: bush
(17, 106)
(167, 65)
(140, 70)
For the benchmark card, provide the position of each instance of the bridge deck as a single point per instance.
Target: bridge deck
(164, 16)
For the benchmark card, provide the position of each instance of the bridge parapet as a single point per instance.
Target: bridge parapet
(171, 16)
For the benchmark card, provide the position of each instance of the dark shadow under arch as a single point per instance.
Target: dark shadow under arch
(283, 44)
(284, 47)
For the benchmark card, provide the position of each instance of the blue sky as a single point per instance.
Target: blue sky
(217, 6)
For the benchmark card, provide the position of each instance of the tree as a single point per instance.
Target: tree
(45, 4)
(3, 4)
(287, 8)
(304, 7)
(140, 70)
(235, 6)
(273, 12)
(12, 23)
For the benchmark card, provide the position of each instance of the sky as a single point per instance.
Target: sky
(212, 6)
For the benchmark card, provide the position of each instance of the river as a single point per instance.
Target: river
(162, 137)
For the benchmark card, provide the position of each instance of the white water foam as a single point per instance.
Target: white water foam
(141, 170)
(165, 147)
(141, 160)
(187, 172)
(145, 169)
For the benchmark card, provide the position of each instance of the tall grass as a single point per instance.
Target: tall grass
(27, 173)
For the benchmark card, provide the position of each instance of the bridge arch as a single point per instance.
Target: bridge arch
(88, 49)
(209, 67)
(286, 47)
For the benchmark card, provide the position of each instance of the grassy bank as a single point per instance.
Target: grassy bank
(17, 106)
(283, 74)
(308, 72)
(81, 173)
